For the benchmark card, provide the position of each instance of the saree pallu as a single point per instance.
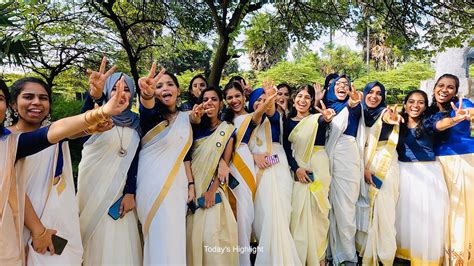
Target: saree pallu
(378, 240)
(212, 233)
(243, 169)
(273, 203)
(459, 176)
(422, 212)
(101, 180)
(12, 204)
(346, 167)
(162, 191)
(50, 187)
(310, 216)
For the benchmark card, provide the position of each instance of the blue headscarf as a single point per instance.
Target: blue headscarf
(254, 97)
(127, 118)
(371, 114)
(330, 99)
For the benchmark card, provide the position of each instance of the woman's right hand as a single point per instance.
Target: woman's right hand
(368, 177)
(191, 193)
(97, 79)
(43, 241)
(301, 175)
(148, 84)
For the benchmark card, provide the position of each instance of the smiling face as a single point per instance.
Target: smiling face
(341, 89)
(235, 99)
(3, 106)
(415, 105)
(212, 103)
(302, 101)
(32, 104)
(444, 90)
(374, 97)
(166, 91)
(198, 86)
(283, 94)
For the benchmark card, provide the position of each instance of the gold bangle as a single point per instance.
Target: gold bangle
(88, 122)
(101, 113)
(40, 236)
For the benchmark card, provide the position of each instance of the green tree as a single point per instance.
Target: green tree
(343, 60)
(266, 41)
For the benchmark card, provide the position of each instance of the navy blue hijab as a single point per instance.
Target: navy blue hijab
(372, 114)
(254, 97)
(330, 99)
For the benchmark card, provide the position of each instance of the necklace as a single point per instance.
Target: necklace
(122, 152)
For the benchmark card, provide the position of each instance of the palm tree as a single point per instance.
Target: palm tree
(13, 45)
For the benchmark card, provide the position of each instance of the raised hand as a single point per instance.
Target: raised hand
(460, 113)
(148, 84)
(355, 96)
(318, 93)
(246, 87)
(392, 117)
(97, 79)
(328, 114)
(196, 113)
(119, 102)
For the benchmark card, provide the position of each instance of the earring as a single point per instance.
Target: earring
(47, 121)
(15, 113)
(9, 119)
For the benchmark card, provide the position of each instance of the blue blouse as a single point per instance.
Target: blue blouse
(29, 143)
(248, 133)
(353, 120)
(456, 140)
(288, 126)
(411, 149)
(275, 125)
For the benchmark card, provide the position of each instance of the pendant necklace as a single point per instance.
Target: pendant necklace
(122, 152)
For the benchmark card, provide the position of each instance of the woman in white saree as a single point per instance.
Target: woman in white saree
(344, 145)
(17, 210)
(274, 187)
(107, 173)
(242, 167)
(212, 229)
(49, 184)
(162, 181)
(377, 243)
(305, 135)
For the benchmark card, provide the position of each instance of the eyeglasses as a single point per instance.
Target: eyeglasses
(346, 84)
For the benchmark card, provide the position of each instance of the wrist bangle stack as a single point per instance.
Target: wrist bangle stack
(41, 235)
(96, 116)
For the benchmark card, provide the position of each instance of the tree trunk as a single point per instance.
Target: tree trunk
(219, 60)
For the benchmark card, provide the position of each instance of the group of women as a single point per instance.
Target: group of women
(312, 175)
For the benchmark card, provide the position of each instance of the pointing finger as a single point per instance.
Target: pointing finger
(322, 104)
(103, 64)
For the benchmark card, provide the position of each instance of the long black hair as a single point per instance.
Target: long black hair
(311, 92)
(4, 89)
(18, 86)
(205, 120)
(228, 112)
(162, 110)
(421, 118)
(447, 105)
(193, 99)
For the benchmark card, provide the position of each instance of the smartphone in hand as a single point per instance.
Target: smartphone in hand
(114, 210)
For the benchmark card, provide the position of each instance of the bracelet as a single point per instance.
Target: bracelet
(148, 96)
(41, 235)
(190, 183)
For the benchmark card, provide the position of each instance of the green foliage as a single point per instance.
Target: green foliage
(266, 41)
(342, 60)
(398, 81)
(64, 107)
(291, 73)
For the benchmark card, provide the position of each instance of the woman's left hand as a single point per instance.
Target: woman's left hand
(355, 96)
(392, 117)
(191, 193)
(328, 114)
(460, 114)
(127, 205)
(223, 171)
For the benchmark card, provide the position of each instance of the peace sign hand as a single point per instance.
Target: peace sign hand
(355, 96)
(328, 114)
(97, 79)
(392, 117)
(119, 102)
(148, 84)
(460, 114)
(196, 113)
